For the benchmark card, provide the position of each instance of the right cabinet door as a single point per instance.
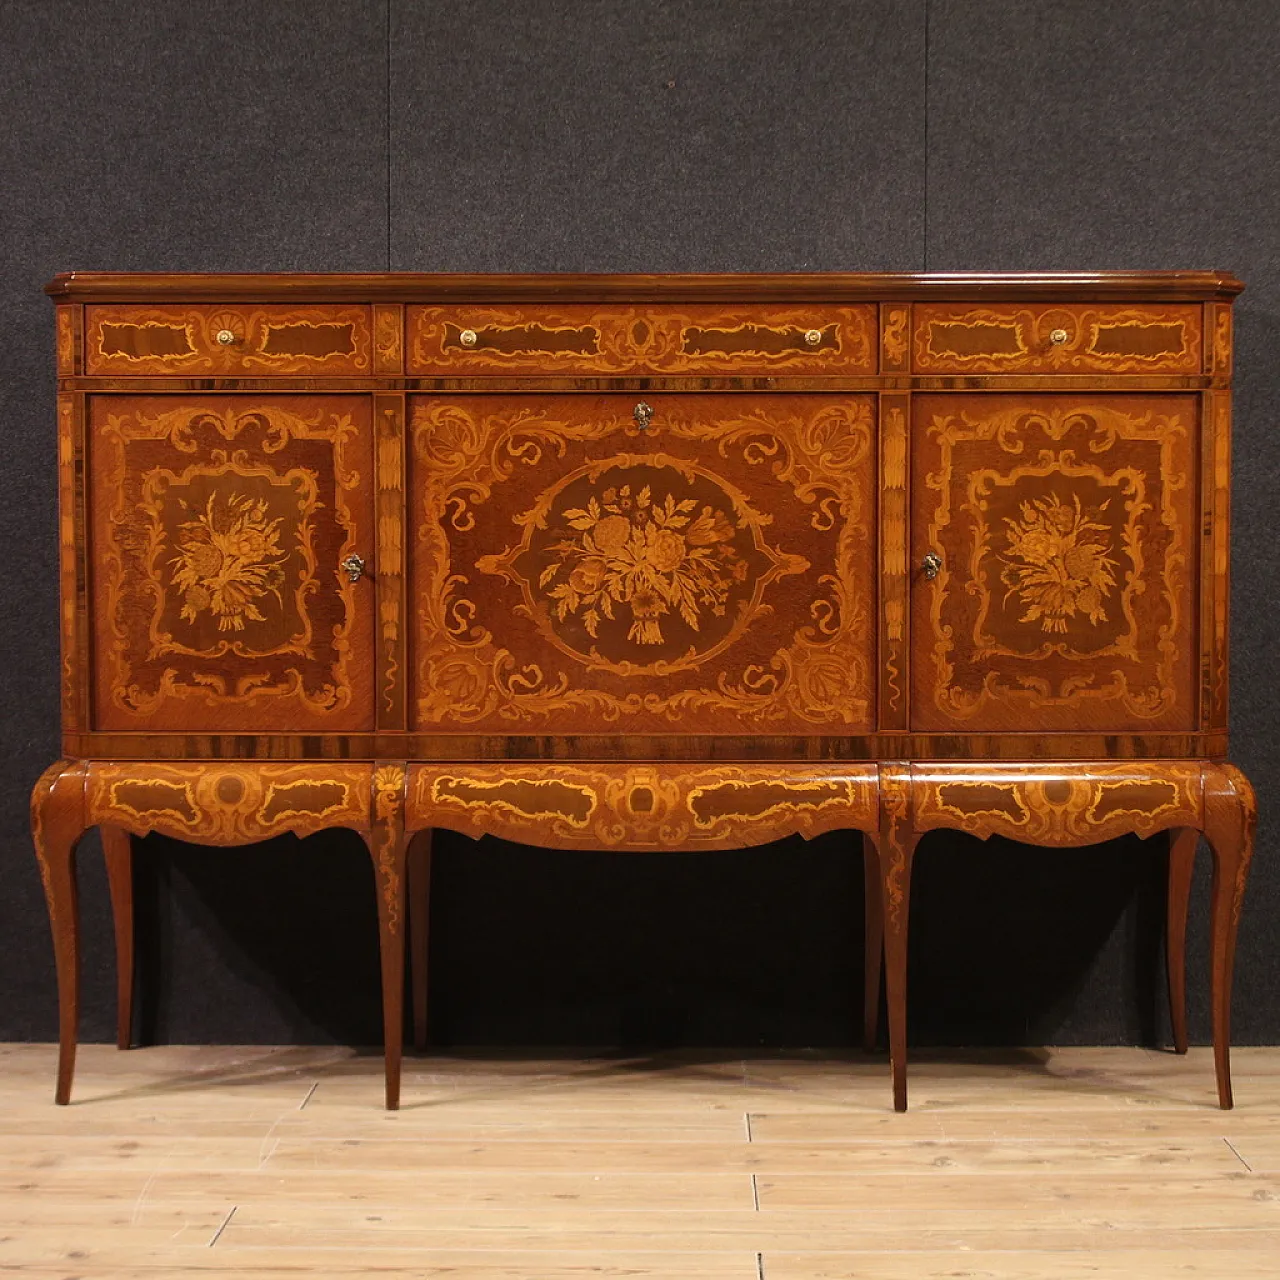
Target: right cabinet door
(1054, 562)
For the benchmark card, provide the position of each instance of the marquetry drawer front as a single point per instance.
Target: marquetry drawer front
(685, 564)
(219, 598)
(227, 340)
(958, 338)
(577, 339)
(1061, 536)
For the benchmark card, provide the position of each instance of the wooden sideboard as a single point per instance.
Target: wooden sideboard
(644, 562)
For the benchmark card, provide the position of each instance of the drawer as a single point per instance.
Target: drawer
(486, 340)
(957, 338)
(227, 339)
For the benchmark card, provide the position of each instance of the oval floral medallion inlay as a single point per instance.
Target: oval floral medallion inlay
(643, 564)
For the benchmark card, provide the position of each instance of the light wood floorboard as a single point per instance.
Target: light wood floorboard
(1070, 1164)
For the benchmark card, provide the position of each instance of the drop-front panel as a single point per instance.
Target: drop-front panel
(677, 564)
(644, 562)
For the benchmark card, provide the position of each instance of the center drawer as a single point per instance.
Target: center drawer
(588, 339)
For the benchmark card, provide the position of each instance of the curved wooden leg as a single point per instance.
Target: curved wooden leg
(117, 852)
(57, 823)
(387, 844)
(896, 892)
(873, 942)
(390, 868)
(1230, 821)
(896, 850)
(419, 857)
(1182, 857)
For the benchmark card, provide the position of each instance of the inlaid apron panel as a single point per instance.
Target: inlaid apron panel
(681, 564)
(220, 525)
(1061, 533)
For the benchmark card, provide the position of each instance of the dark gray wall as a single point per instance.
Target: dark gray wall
(602, 135)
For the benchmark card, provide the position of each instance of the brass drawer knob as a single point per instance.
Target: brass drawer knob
(225, 337)
(1058, 337)
(931, 564)
(353, 567)
(468, 337)
(812, 337)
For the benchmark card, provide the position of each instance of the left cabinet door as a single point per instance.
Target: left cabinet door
(218, 530)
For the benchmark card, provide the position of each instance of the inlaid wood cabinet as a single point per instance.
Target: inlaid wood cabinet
(643, 562)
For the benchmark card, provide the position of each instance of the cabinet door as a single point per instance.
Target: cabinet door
(685, 564)
(1065, 530)
(219, 525)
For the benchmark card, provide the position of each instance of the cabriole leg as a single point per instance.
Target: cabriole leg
(1182, 856)
(1230, 821)
(117, 852)
(389, 865)
(419, 930)
(57, 823)
(897, 860)
(387, 844)
(873, 942)
(896, 848)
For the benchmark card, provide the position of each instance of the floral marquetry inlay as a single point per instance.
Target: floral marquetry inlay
(649, 555)
(221, 525)
(1056, 562)
(229, 560)
(712, 572)
(658, 567)
(1064, 530)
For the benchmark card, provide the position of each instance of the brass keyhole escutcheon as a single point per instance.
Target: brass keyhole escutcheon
(931, 564)
(353, 566)
(643, 414)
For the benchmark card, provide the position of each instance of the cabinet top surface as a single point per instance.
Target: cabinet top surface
(869, 286)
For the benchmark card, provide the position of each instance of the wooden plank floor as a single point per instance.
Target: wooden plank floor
(1037, 1165)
